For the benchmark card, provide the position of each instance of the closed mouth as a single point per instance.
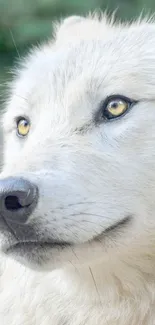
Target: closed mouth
(34, 245)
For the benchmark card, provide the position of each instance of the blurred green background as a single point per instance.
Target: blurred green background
(26, 22)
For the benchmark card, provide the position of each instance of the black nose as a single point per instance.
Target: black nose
(18, 198)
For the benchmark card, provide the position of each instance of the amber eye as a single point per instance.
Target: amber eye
(115, 107)
(23, 127)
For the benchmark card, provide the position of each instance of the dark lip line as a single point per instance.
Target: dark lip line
(36, 243)
(118, 225)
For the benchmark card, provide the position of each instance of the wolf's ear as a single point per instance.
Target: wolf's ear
(70, 21)
(64, 29)
(77, 28)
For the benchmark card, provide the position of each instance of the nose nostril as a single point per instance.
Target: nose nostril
(18, 199)
(12, 203)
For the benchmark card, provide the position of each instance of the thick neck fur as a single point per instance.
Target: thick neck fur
(118, 291)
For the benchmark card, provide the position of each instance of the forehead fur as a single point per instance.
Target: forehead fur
(90, 56)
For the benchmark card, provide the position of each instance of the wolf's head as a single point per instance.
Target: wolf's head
(78, 181)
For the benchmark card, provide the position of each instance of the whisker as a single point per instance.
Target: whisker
(95, 284)
(14, 43)
(91, 214)
(75, 204)
(74, 253)
(79, 203)
(21, 97)
(81, 228)
(74, 267)
(88, 221)
(96, 215)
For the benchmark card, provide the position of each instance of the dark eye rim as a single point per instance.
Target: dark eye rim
(17, 120)
(102, 113)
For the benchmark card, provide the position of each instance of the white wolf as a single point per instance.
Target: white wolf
(77, 191)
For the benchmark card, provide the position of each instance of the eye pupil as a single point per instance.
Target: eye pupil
(115, 104)
(23, 124)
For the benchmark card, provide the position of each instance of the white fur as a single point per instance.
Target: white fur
(89, 178)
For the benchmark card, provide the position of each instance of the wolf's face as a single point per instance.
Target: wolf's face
(79, 132)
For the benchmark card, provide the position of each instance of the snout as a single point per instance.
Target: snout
(18, 199)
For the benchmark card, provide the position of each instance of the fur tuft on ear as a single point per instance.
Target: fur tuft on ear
(64, 27)
(72, 20)
(76, 28)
